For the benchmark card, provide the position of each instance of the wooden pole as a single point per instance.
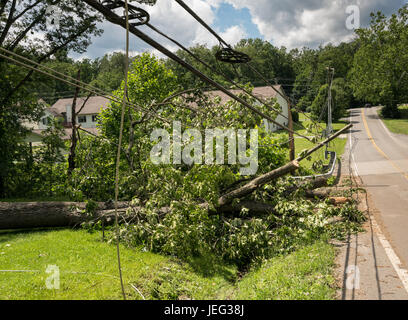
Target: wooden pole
(71, 158)
(291, 136)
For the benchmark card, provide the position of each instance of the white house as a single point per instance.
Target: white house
(264, 93)
(86, 118)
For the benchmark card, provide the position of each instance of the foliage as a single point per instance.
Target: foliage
(109, 71)
(189, 230)
(341, 98)
(272, 62)
(18, 101)
(311, 69)
(378, 75)
(37, 172)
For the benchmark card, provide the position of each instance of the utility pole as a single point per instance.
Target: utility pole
(329, 129)
(71, 157)
(291, 136)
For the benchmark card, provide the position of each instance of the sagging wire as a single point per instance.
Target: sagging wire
(222, 41)
(79, 84)
(218, 71)
(122, 120)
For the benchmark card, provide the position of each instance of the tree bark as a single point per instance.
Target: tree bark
(256, 183)
(20, 215)
(27, 215)
(254, 209)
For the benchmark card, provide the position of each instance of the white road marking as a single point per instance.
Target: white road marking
(392, 256)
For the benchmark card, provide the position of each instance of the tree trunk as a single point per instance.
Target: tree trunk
(19, 215)
(254, 209)
(256, 183)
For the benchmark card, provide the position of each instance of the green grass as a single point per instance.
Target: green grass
(88, 270)
(304, 120)
(399, 126)
(337, 145)
(303, 275)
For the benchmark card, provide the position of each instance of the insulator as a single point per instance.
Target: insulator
(137, 16)
(148, 2)
(231, 56)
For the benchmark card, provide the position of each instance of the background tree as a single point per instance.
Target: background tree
(21, 24)
(379, 72)
(108, 71)
(340, 101)
(311, 69)
(272, 62)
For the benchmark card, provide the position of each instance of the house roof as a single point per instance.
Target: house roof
(260, 92)
(93, 106)
(53, 111)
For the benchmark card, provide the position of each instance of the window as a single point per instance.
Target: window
(95, 118)
(45, 121)
(81, 119)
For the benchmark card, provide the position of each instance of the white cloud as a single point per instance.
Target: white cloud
(167, 16)
(294, 23)
(234, 34)
(290, 23)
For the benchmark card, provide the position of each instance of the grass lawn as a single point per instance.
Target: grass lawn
(337, 145)
(88, 270)
(398, 125)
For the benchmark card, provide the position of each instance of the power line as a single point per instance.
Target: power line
(114, 18)
(222, 41)
(119, 149)
(77, 83)
(214, 69)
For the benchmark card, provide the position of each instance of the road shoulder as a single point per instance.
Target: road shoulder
(363, 268)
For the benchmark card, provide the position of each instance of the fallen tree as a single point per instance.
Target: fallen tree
(257, 183)
(62, 214)
(20, 215)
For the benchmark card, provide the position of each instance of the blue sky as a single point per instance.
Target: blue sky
(227, 16)
(289, 23)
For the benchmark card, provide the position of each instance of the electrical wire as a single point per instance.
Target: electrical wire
(114, 18)
(122, 120)
(77, 83)
(222, 41)
(234, 83)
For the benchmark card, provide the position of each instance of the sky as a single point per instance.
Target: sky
(288, 23)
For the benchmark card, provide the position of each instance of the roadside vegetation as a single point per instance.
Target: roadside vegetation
(181, 237)
(88, 270)
(399, 126)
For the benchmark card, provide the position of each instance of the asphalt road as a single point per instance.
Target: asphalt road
(380, 159)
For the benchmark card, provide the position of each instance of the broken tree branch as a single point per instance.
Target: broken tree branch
(322, 144)
(256, 183)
